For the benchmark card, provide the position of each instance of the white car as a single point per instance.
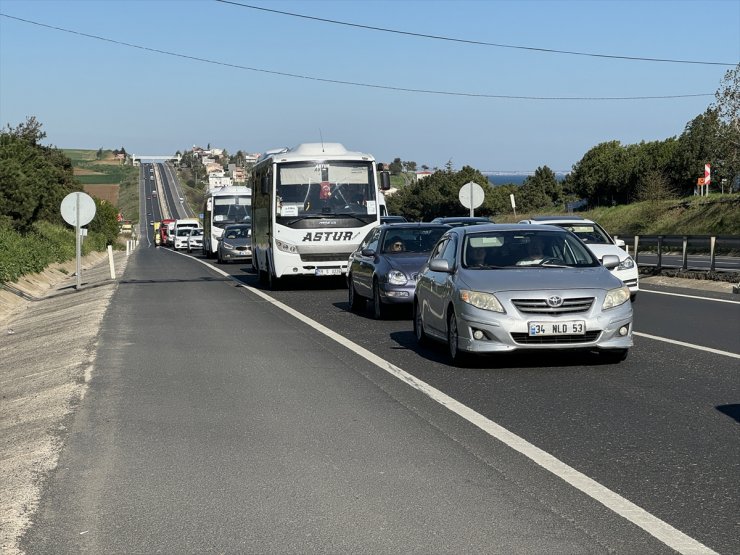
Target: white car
(195, 239)
(180, 240)
(600, 243)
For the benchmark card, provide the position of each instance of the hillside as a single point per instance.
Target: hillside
(107, 178)
(713, 215)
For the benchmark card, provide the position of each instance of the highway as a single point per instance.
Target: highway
(223, 417)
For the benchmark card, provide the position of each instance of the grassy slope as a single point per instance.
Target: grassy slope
(713, 215)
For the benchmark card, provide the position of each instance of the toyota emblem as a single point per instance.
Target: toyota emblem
(554, 301)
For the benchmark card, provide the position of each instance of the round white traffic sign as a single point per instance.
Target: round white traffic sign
(75, 204)
(471, 195)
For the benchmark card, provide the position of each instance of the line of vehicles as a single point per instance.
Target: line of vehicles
(318, 210)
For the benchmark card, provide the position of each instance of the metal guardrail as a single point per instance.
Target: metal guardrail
(685, 244)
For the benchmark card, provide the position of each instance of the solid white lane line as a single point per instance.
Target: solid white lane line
(670, 536)
(689, 296)
(689, 345)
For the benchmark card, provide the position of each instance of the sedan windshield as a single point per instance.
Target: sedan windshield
(521, 249)
(588, 233)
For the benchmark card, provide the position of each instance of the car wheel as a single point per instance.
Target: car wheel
(378, 308)
(457, 356)
(421, 336)
(355, 300)
(613, 356)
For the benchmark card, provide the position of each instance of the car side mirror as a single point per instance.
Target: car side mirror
(440, 265)
(610, 261)
(368, 252)
(385, 181)
(620, 243)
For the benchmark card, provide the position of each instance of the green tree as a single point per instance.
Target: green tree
(540, 191)
(728, 110)
(396, 167)
(697, 145)
(33, 178)
(438, 195)
(105, 221)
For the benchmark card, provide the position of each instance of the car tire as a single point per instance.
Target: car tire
(613, 356)
(356, 302)
(457, 356)
(421, 336)
(379, 309)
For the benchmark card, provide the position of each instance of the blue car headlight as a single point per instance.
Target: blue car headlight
(396, 277)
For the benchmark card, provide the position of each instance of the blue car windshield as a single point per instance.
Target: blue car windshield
(417, 240)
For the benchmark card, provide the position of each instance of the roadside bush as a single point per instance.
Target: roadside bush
(45, 244)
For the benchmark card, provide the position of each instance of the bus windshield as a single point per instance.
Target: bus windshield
(306, 189)
(233, 209)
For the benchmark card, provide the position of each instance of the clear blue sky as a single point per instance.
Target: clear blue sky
(90, 93)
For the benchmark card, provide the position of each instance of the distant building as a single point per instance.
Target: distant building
(422, 174)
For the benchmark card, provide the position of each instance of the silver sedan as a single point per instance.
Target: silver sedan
(501, 288)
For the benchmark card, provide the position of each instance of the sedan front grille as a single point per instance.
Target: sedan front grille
(540, 306)
(526, 339)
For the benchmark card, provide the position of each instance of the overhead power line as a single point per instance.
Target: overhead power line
(353, 83)
(476, 42)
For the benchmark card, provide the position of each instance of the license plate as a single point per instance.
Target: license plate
(576, 327)
(328, 272)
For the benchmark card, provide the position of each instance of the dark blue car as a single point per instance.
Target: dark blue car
(385, 266)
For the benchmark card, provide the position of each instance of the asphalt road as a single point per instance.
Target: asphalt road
(217, 422)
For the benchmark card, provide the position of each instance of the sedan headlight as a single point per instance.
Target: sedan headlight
(626, 264)
(485, 301)
(396, 277)
(616, 297)
(286, 247)
(227, 245)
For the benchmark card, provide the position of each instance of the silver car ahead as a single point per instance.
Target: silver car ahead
(501, 288)
(235, 243)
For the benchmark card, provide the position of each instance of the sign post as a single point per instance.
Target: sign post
(78, 209)
(471, 196)
(513, 203)
(707, 178)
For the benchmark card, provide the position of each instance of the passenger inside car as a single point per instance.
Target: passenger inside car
(395, 244)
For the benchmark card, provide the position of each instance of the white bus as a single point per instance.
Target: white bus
(223, 206)
(311, 207)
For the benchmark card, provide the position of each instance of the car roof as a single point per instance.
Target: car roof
(413, 225)
(558, 219)
(484, 228)
(461, 219)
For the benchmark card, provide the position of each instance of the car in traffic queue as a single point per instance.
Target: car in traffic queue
(600, 243)
(501, 288)
(392, 219)
(180, 238)
(195, 239)
(384, 267)
(235, 243)
(455, 221)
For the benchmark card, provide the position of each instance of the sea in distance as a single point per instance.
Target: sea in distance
(502, 178)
